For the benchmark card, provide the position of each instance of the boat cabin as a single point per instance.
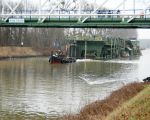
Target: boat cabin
(87, 49)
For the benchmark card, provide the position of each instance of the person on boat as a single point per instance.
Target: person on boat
(118, 12)
(51, 56)
(142, 14)
(21, 44)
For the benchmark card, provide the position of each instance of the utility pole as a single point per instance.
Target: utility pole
(111, 47)
(134, 6)
(26, 7)
(123, 9)
(85, 49)
(2, 7)
(79, 10)
(39, 7)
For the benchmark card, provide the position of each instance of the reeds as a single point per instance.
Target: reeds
(99, 109)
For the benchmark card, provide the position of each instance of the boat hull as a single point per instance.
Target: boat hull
(62, 60)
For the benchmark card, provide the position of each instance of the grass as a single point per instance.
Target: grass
(17, 51)
(137, 108)
(100, 109)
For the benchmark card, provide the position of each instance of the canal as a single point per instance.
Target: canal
(32, 88)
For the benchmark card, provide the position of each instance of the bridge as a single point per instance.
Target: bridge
(73, 14)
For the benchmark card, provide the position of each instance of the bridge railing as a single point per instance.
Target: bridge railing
(68, 14)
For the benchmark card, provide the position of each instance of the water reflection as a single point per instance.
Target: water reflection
(33, 88)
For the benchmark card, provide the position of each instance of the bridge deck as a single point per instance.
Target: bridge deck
(73, 23)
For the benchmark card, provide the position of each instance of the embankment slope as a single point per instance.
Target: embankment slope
(111, 107)
(138, 108)
(6, 52)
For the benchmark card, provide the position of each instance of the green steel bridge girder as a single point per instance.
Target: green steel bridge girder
(73, 23)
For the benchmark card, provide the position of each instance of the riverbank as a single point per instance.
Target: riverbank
(133, 95)
(19, 52)
(138, 108)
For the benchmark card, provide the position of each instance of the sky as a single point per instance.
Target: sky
(111, 4)
(143, 33)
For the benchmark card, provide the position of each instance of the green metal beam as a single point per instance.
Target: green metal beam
(73, 23)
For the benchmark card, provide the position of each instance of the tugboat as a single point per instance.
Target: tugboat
(58, 57)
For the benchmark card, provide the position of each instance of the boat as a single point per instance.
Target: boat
(58, 57)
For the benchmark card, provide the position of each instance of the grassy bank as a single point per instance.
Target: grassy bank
(137, 108)
(102, 109)
(6, 52)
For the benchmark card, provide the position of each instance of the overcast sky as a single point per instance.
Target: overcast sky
(143, 34)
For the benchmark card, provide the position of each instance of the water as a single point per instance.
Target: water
(34, 89)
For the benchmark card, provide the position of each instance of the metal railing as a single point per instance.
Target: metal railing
(75, 14)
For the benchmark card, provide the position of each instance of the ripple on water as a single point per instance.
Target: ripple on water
(33, 89)
(5, 115)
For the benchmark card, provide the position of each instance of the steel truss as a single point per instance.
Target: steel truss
(68, 9)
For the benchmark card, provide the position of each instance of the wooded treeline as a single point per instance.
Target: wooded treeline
(34, 37)
(54, 37)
